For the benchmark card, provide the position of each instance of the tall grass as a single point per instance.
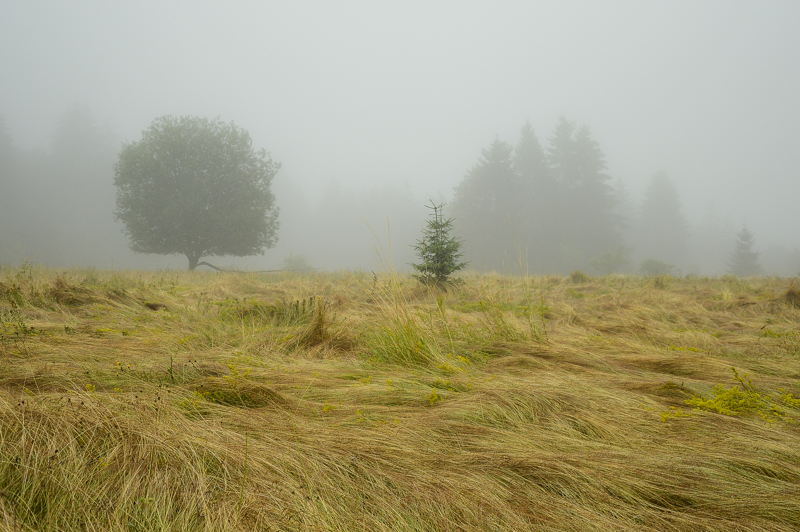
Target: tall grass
(194, 401)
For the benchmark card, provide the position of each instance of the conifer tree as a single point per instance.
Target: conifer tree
(439, 252)
(530, 161)
(536, 198)
(586, 227)
(744, 261)
(487, 206)
(552, 209)
(662, 230)
(561, 153)
(592, 199)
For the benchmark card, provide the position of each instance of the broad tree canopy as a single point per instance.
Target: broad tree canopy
(196, 187)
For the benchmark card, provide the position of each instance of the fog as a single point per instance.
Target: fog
(374, 108)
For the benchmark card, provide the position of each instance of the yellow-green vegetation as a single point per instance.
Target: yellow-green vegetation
(223, 401)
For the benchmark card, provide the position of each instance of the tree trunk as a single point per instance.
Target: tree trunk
(193, 260)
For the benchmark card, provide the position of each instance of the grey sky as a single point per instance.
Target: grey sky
(374, 92)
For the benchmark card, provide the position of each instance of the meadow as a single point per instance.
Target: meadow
(141, 401)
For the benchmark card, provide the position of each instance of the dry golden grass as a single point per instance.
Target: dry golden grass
(194, 401)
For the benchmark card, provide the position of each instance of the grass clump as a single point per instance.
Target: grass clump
(65, 293)
(792, 296)
(285, 313)
(242, 393)
(403, 343)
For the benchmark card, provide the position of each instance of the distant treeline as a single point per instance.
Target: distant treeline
(553, 209)
(523, 208)
(56, 204)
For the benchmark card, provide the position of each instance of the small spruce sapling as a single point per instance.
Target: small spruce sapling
(439, 252)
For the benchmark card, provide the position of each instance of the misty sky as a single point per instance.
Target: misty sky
(364, 93)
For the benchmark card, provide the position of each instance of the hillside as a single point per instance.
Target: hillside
(200, 401)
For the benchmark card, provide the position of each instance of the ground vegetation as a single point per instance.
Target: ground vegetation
(359, 401)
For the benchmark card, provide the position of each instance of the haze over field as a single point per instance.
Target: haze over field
(372, 109)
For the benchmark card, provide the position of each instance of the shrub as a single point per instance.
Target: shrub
(579, 277)
(654, 268)
(297, 263)
(610, 262)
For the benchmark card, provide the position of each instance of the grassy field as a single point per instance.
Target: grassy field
(204, 401)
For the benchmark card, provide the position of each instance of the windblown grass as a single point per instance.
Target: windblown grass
(194, 401)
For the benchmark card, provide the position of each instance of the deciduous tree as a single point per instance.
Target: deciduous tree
(196, 187)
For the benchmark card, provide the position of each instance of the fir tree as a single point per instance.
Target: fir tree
(438, 251)
(744, 261)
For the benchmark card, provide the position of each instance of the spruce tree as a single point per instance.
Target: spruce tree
(535, 202)
(529, 161)
(744, 261)
(585, 225)
(438, 251)
(487, 207)
(662, 232)
(561, 153)
(597, 231)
